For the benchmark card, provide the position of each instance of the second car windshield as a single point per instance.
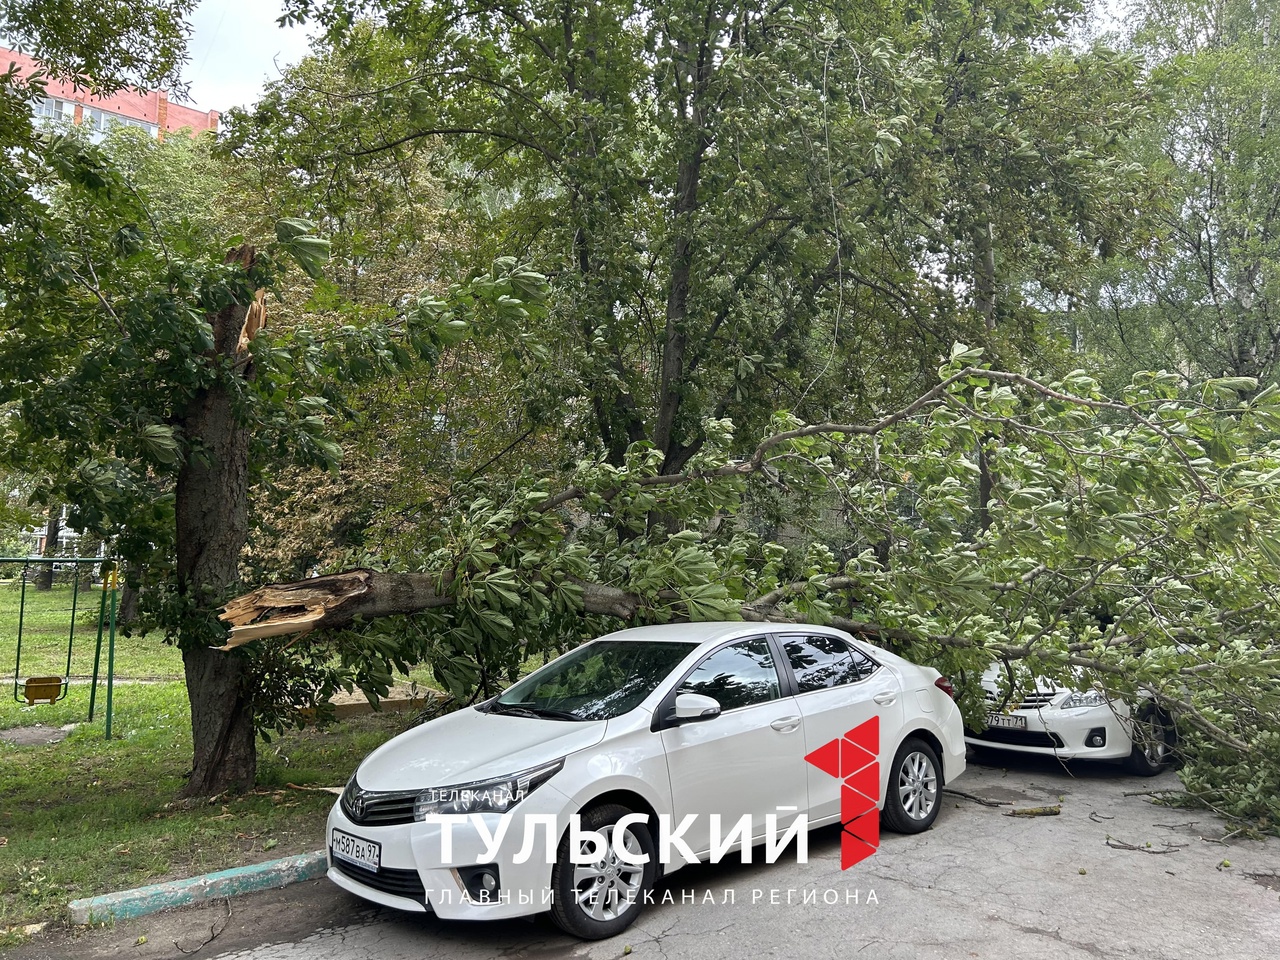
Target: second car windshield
(597, 681)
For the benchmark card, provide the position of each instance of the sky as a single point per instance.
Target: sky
(236, 46)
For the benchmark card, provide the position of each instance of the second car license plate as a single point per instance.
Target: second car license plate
(361, 852)
(1003, 720)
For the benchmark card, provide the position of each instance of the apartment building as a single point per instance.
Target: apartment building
(152, 110)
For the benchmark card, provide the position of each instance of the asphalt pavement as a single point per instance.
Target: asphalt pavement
(1111, 876)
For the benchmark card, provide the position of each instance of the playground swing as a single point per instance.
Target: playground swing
(43, 689)
(51, 689)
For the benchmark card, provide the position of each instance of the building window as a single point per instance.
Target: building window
(95, 121)
(151, 128)
(51, 108)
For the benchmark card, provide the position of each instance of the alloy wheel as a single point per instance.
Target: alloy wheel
(607, 888)
(917, 785)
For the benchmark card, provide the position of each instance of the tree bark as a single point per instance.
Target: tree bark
(984, 274)
(130, 593)
(53, 527)
(212, 526)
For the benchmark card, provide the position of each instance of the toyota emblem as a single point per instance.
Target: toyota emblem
(357, 806)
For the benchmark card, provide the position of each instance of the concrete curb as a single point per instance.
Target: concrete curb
(128, 904)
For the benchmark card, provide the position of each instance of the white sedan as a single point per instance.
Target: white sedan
(688, 729)
(1033, 715)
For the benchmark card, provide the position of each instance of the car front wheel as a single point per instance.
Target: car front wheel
(915, 788)
(1153, 742)
(603, 897)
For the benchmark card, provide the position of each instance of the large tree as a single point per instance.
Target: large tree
(742, 207)
(743, 210)
(1202, 298)
(135, 378)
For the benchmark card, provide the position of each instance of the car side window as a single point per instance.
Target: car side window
(820, 662)
(738, 675)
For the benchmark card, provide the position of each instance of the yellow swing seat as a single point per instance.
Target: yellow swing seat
(46, 689)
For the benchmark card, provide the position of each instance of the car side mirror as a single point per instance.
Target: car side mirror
(694, 707)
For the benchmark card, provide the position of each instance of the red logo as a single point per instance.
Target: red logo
(854, 758)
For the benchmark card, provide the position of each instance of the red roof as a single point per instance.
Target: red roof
(152, 106)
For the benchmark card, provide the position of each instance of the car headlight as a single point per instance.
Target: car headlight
(484, 796)
(1084, 698)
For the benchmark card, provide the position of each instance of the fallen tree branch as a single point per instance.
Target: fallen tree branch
(1052, 811)
(339, 599)
(336, 600)
(333, 600)
(336, 791)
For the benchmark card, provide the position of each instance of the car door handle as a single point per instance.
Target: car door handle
(785, 724)
(885, 697)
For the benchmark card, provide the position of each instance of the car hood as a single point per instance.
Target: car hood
(470, 745)
(1025, 683)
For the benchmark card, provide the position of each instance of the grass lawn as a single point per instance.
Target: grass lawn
(47, 626)
(87, 816)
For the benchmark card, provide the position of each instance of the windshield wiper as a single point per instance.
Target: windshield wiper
(528, 710)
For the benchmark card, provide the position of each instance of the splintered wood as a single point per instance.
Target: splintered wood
(283, 608)
(255, 319)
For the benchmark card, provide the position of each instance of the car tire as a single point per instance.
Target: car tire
(915, 788)
(598, 900)
(1154, 741)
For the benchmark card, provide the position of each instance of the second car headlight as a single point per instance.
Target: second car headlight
(484, 796)
(1084, 698)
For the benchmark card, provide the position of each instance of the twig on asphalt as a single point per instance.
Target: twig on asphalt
(1115, 844)
(1097, 817)
(213, 934)
(982, 800)
(1198, 799)
(1225, 837)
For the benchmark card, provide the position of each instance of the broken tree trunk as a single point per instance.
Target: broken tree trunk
(212, 525)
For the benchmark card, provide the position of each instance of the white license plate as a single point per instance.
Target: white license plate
(361, 852)
(1003, 720)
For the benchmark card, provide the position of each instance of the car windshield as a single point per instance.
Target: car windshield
(597, 681)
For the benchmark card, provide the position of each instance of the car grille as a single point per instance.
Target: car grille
(400, 883)
(1030, 701)
(372, 808)
(1020, 738)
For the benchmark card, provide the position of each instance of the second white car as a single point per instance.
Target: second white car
(1033, 715)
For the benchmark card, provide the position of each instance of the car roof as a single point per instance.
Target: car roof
(713, 631)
